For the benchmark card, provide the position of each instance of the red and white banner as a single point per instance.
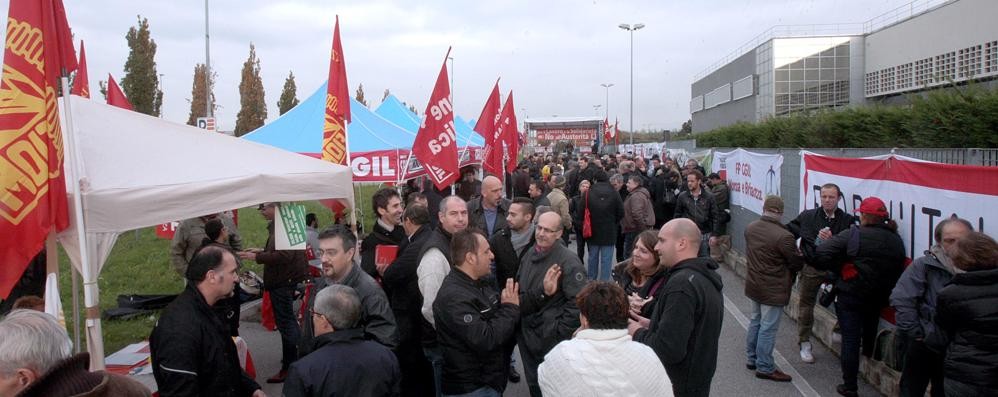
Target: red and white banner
(583, 135)
(751, 176)
(435, 145)
(917, 193)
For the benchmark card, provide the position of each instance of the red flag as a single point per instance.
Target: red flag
(38, 51)
(81, 83)
(436, 145)
(487, 126)
(606, 129)
(508, 130)
(334, 131)
(114, 95)
(616, 131)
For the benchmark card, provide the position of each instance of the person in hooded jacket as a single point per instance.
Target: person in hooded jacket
(605, 212)
(685, 327)
(914, 300)
(967, 312)
(868, 260)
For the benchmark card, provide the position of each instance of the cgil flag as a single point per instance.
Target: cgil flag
(334, 131)
(38, 51)
(114, 95)
(81, 83)
(507, 128)
(435, 145)
(606, 130)
(487, 126)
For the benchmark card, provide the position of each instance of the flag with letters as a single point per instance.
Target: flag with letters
(435, 145)
(334, 130)
(37, 52)
(487, 126)
(508, 132)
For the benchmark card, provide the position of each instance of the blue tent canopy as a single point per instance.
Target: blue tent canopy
(300, 129)
(393, 110)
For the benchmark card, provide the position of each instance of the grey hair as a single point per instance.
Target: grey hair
(617, 178)
(443, 203)
(340, 305)
(32, 340)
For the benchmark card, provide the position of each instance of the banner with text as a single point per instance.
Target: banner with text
(917, 193)
(289, 227)
(751, 176)
(579, 136)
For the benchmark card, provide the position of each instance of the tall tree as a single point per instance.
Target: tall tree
(141, 83)
(199, 93)
(387, 93)
(102, 84)
(253, 109)
(289, 95)
(360, 95)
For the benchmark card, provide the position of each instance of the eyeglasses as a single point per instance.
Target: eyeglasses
(545, 230)
(315, 313)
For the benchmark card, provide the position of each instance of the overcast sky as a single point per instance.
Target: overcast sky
(553, 54)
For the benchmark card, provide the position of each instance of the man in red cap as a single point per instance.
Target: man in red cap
(869, 260)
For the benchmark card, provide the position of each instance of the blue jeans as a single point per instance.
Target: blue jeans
(762, 336)
(436, 358)
(704, 251)
(485, 391)
(629, 239)
(600, 262)
(282, 299)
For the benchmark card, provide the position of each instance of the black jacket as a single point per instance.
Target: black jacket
(809, 222)
(192, 353)
(473, 330)
(439, 239)
(402, 286)
(476, 215)
(548, 320)
(653, 287)
(968, 313)
(686, 325)
(606, 209)
(702, 210)
(378, 236)
(344, 364)
(507, 259)
(376, 320)
(868, 259)
(284, 268)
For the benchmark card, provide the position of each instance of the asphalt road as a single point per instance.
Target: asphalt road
(730, 379)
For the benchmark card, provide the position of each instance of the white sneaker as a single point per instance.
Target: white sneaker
(805, 353)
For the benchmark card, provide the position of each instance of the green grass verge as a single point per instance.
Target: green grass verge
(139, 263)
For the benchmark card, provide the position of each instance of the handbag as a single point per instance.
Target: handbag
(587, 223)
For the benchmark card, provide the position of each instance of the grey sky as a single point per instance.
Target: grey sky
(552, 54)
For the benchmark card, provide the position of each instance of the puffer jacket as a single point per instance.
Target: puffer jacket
(915, 296)
(968, 313)
(868, 259)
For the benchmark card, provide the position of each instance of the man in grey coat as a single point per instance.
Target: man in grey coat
(339, 245)
(550, 276)
(914, 300)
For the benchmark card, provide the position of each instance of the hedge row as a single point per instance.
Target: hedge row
(954, 117)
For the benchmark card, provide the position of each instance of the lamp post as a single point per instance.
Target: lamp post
(631, 29)
(596, 108)
(207, 66)
(606, 108)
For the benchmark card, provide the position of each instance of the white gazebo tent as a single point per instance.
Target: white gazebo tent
(136, 171)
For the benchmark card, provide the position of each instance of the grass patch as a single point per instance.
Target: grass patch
(139, 263)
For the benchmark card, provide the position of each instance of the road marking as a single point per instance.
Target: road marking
(798, 381)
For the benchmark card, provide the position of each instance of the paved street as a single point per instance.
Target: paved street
(731, 378)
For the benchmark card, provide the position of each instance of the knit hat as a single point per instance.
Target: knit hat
(873, 206)
(773, 204)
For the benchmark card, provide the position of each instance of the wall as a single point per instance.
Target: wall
(733, 111)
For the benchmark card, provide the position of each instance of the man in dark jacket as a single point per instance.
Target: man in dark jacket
(772, 262)
(914, 300)
(474, 325)
(387, 204)
(342, 362)
(722, 195)
(605, 212)
(811, 227)
(869, 260)
(282, 271)
(521, 181)
(686, 325)
(699, 206)
(537, 193)
(338, 246)
(190, 348)
(967, 314)
(550, 276)
(510, 243)
(638, 213)
(488, 212)
(402, 286)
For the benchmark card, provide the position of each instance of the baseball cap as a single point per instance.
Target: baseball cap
(873, 206)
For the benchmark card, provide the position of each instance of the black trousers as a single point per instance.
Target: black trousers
(921, 366)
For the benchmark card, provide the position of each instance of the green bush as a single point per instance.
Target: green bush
(964, 116)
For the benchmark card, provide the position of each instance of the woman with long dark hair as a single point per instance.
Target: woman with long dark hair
(642, 275)
(868, 260)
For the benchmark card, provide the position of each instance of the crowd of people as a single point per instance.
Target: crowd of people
(476, 275)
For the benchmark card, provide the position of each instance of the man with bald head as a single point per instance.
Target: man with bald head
(685, 326)
(550, 276)
(488, 212)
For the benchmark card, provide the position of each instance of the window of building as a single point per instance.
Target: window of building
(969, 62)
(991, 57)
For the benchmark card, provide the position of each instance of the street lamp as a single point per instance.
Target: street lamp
(632, 29)
(596, 108)
(607, 107)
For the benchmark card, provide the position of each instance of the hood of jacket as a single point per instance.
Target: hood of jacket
(704, 266)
